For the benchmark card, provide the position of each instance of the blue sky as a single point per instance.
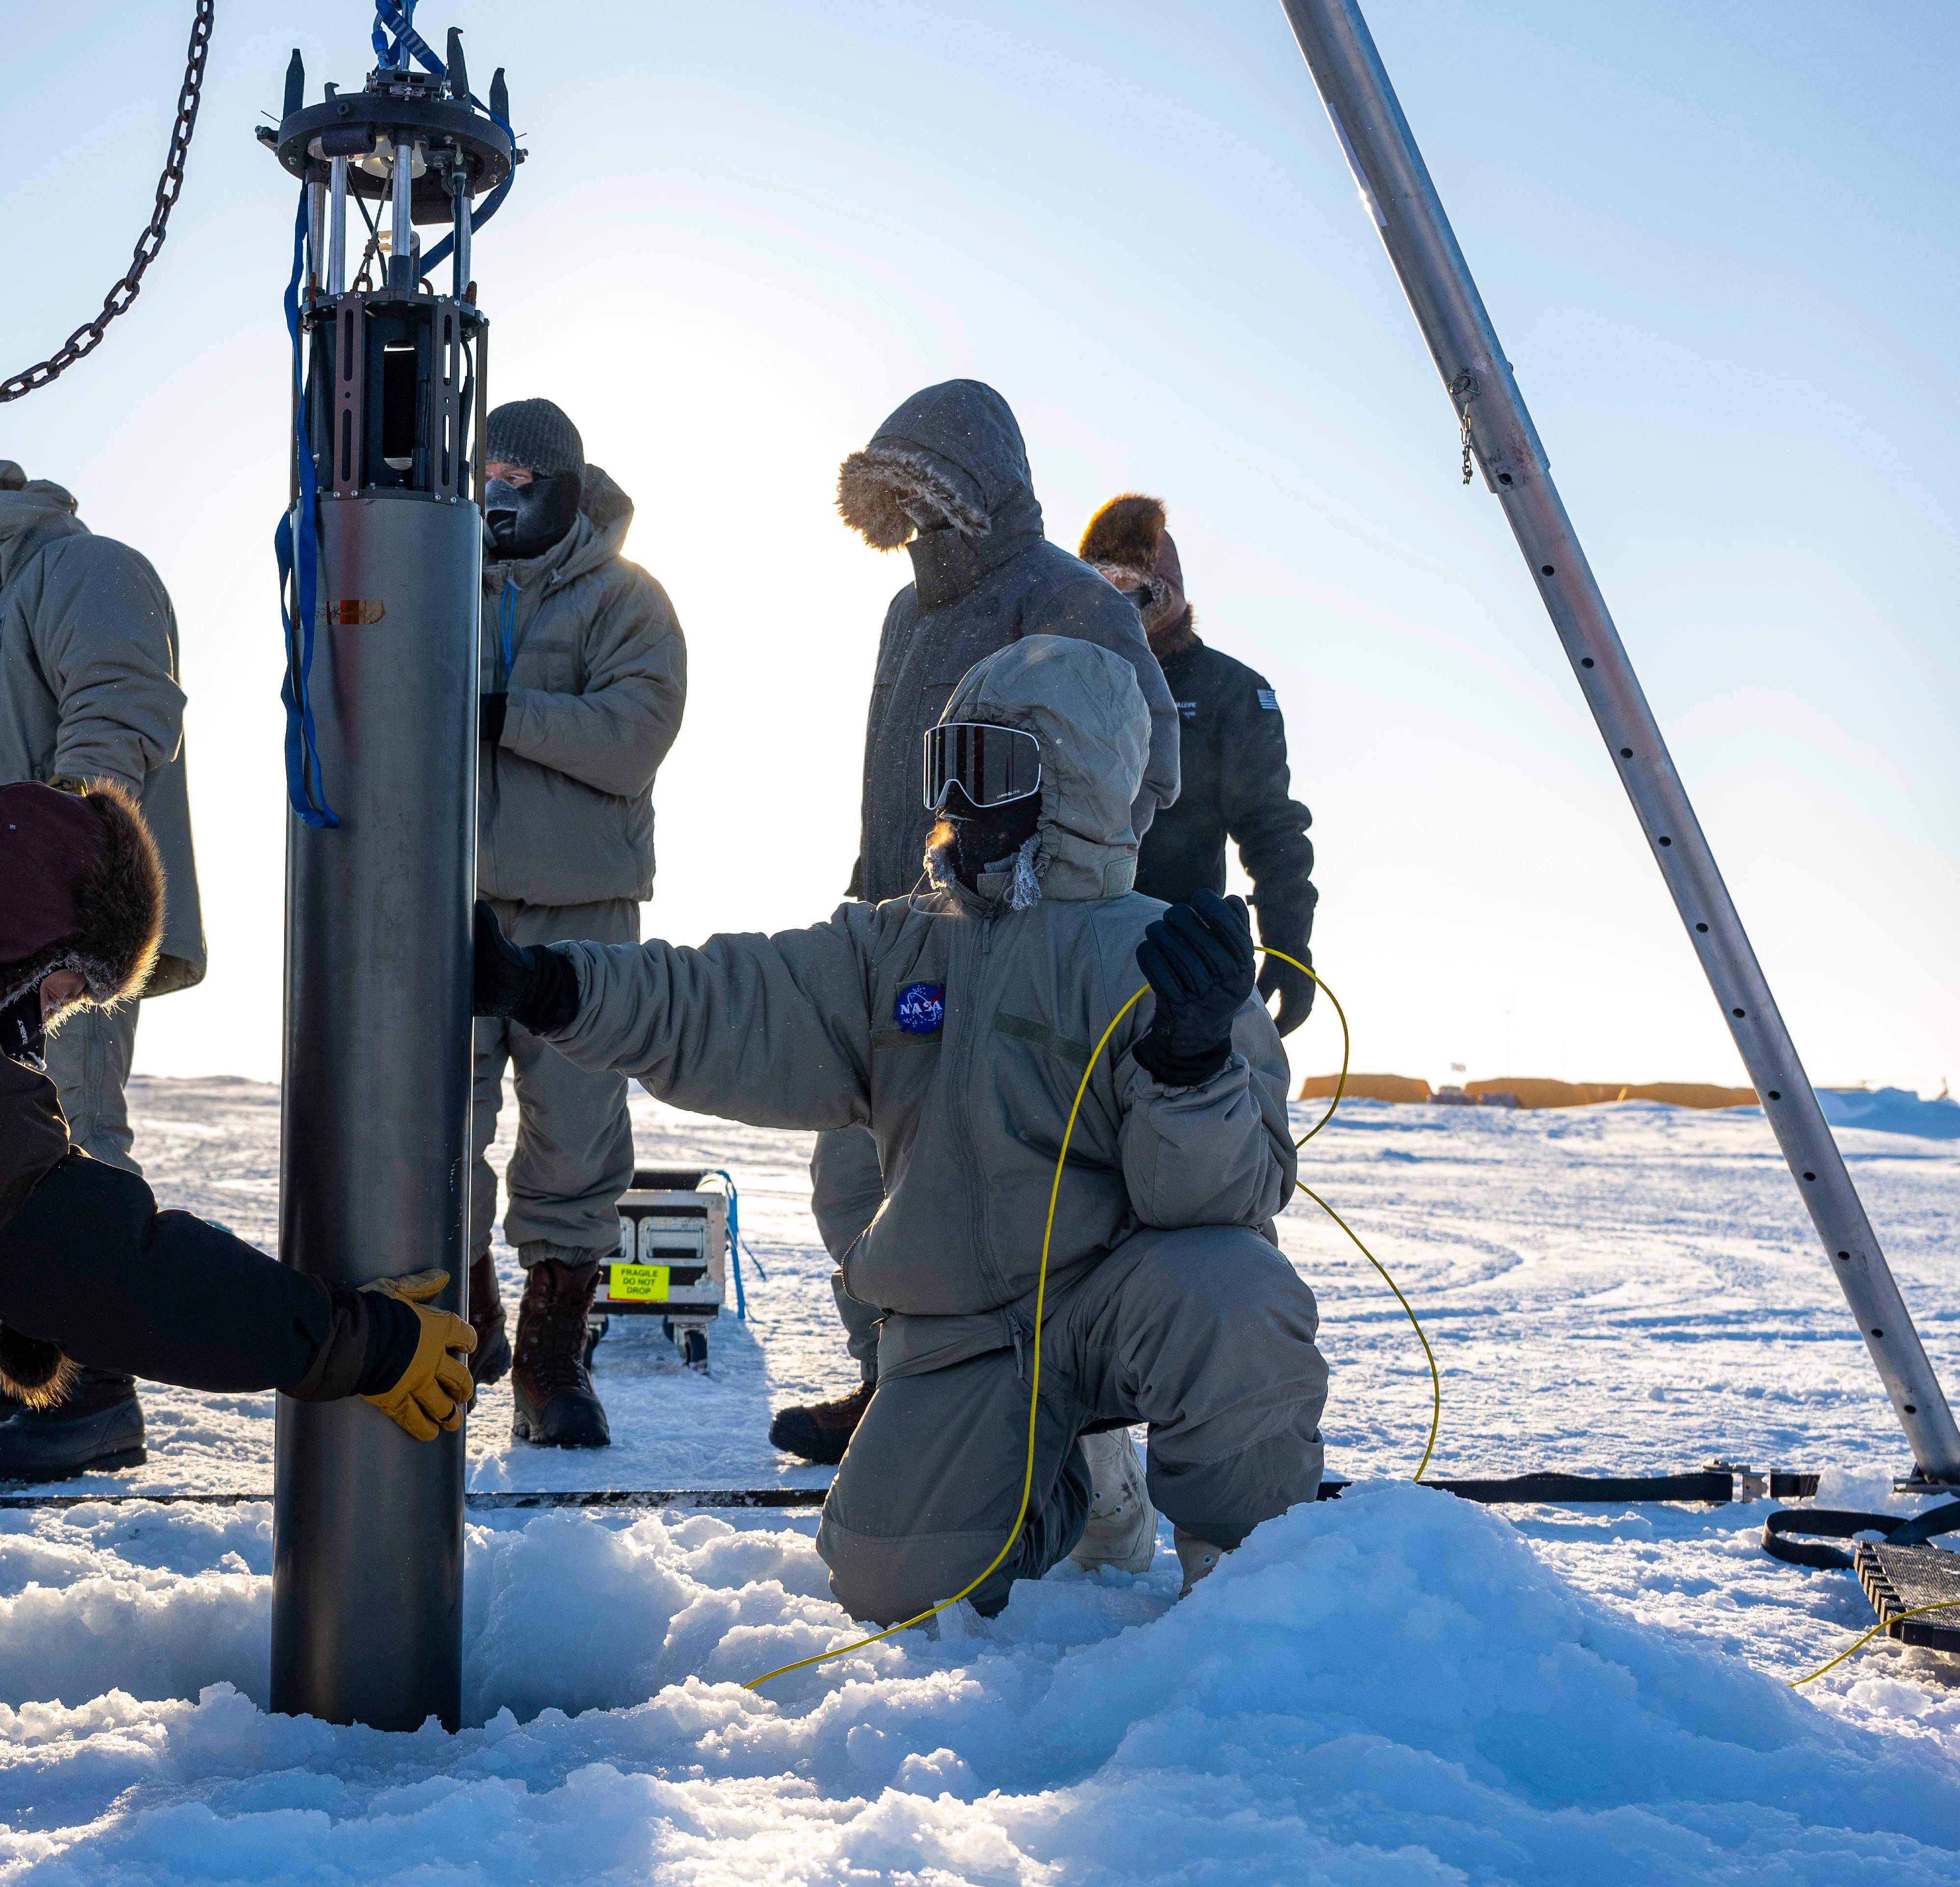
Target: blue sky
(1718, 244)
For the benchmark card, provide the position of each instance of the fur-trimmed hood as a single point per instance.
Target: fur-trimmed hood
(1129, 536)
(956, 445)
(85, 891)
(1083, 703)
(1128, 532)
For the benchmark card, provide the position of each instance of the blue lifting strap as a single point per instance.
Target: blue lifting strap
(390, 17)
(299, 566)
(735, 1246)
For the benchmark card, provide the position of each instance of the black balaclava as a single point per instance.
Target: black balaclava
(975, 837)
(525, 520)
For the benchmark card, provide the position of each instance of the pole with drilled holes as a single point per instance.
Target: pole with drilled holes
(1395, 187)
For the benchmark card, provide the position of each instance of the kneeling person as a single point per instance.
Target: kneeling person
(956, 1024)
(92, 1275)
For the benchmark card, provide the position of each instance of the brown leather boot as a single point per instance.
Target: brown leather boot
(492, 1357)
(552, 1404)
(821, 1431)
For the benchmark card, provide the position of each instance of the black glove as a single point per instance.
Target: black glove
(490, 728)
(532, 984)
(1296, 988)
(22, 1039)
(1198, 958)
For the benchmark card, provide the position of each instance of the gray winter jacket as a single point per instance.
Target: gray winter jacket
(975, 589)
(956, 1027)
(88, 686)
(589, 651)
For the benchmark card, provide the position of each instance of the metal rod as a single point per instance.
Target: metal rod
(1395, 186)
(459, 186)
(401, 223)
(480, 423)
(316, 234)
(336, 227)
(498, 1502)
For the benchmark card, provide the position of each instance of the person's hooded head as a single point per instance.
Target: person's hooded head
(83, 903)
(1127, 541)
(947, 477)
(1070, 837)
(534, 466)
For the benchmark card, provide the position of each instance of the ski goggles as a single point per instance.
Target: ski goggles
(990, 765)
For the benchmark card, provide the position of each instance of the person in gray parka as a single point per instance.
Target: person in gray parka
(954, 1024)
(584, 678)
(946, 478)
(89, 691)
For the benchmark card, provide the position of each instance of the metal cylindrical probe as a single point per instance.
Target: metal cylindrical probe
(374, 1129)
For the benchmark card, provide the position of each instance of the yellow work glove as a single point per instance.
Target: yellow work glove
(435, 1389)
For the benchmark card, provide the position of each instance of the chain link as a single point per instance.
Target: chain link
(88, 336)
(1465, 389)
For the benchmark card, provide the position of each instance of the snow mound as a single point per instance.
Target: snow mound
(1392, 1689)
(1891, 1110)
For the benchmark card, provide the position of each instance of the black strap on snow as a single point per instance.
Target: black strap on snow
(1838, 1523)
(1916, 1531)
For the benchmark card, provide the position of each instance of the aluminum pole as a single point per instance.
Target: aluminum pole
(401, 225)
(458, 187)
(336, 227)
(316, 235)
(1395, 186)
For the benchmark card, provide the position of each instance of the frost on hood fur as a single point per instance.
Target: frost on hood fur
(109, 923)
(1083, 705)
(957, 445)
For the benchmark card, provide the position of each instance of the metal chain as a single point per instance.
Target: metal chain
(1465, 389)
(88, 336)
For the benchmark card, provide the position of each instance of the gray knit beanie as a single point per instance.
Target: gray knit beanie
(536, 435)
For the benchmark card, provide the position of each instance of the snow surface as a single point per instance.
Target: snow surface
(1892, 1110)
(1394, 1686)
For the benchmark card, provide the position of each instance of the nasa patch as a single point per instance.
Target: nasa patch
(921, 1008)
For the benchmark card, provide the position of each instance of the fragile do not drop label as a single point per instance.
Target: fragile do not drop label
(639, 1284)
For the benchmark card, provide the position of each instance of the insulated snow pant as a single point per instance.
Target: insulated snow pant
(846, 1189)
(1206, 1335)
(88, 1059)
(574, 1151)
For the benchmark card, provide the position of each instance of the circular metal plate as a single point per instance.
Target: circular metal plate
(350, 124)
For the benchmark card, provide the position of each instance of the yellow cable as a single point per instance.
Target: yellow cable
(1340, 1089)
(1034, 1391)
(1041, 1299)
(1341, 1085)
(1939, 1605)
(1435, 1376)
